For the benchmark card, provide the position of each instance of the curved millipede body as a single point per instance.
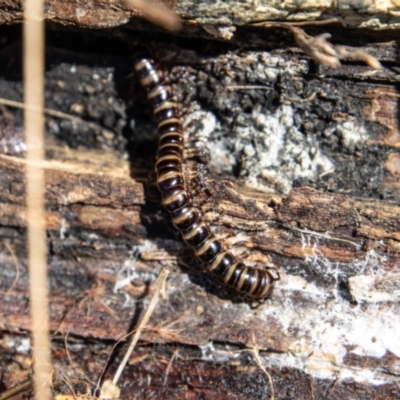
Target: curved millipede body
(248, 280)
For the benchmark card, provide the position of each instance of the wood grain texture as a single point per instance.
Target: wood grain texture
(303, 167)
(106, 13)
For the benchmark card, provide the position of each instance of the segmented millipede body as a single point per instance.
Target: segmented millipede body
(187, 218)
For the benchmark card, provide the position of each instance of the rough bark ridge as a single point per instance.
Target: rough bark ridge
(303, 166)
(105, 13)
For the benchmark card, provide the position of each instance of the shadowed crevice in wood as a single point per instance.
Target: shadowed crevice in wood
(332, 234)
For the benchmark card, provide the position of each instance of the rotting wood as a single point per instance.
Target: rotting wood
(323, 330)
(105, 13)
(307, 225)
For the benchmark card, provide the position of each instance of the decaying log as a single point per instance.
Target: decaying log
(303, 171)
(106, 13)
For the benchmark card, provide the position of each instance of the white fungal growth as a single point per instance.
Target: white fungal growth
(285, 154)
(329, 332)
(351, 133)
(128, 273)
(328, 329)
(376, 288)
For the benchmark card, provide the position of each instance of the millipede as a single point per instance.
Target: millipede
(186, 217)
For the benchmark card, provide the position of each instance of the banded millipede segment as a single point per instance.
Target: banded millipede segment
(247, 280)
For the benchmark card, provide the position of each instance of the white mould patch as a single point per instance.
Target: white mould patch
(204, 121)
(24, 346)
(205, 126)
(375, 288)
(128, 273)
(369, 263)
(221, 159)
(21, 345)
(292, 283)
(282, 153)
(63, 228)
(269, 149)
(220, 356)
(206, 350)
(279, 64)
(129, 301)
(379, 334)
(328, 329)
(351, 133)
(362, 375)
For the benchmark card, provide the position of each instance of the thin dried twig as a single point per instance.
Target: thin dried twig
(320, 50)
(108, 359)
(174, 355)
(326, 53)
(153, 302)
(21, 387)
(348, 53)
(255, 353)
(72, 362)
(156, 12)
(247, 87)
(54, 113)
(93, 296)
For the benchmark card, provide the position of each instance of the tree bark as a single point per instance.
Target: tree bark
(104, 13)
(303, 171)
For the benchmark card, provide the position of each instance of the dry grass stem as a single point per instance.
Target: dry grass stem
(247, 87)
(298, 99)
(108, 360)
(27, 384)
(323, 235)
(255, 353)
(94, 295)
(36, 227)
(153, 302)
(166, 331)
(157, 13)
(54, 113)
(73, 364)
(174, 355)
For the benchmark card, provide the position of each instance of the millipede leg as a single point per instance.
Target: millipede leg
(179, 189)
(200, 151)
(195, 180)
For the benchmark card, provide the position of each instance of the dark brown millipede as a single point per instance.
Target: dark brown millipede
(248, 280)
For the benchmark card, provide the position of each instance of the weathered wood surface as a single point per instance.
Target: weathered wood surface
(109, 13)
(98, 244)
(313, 153)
